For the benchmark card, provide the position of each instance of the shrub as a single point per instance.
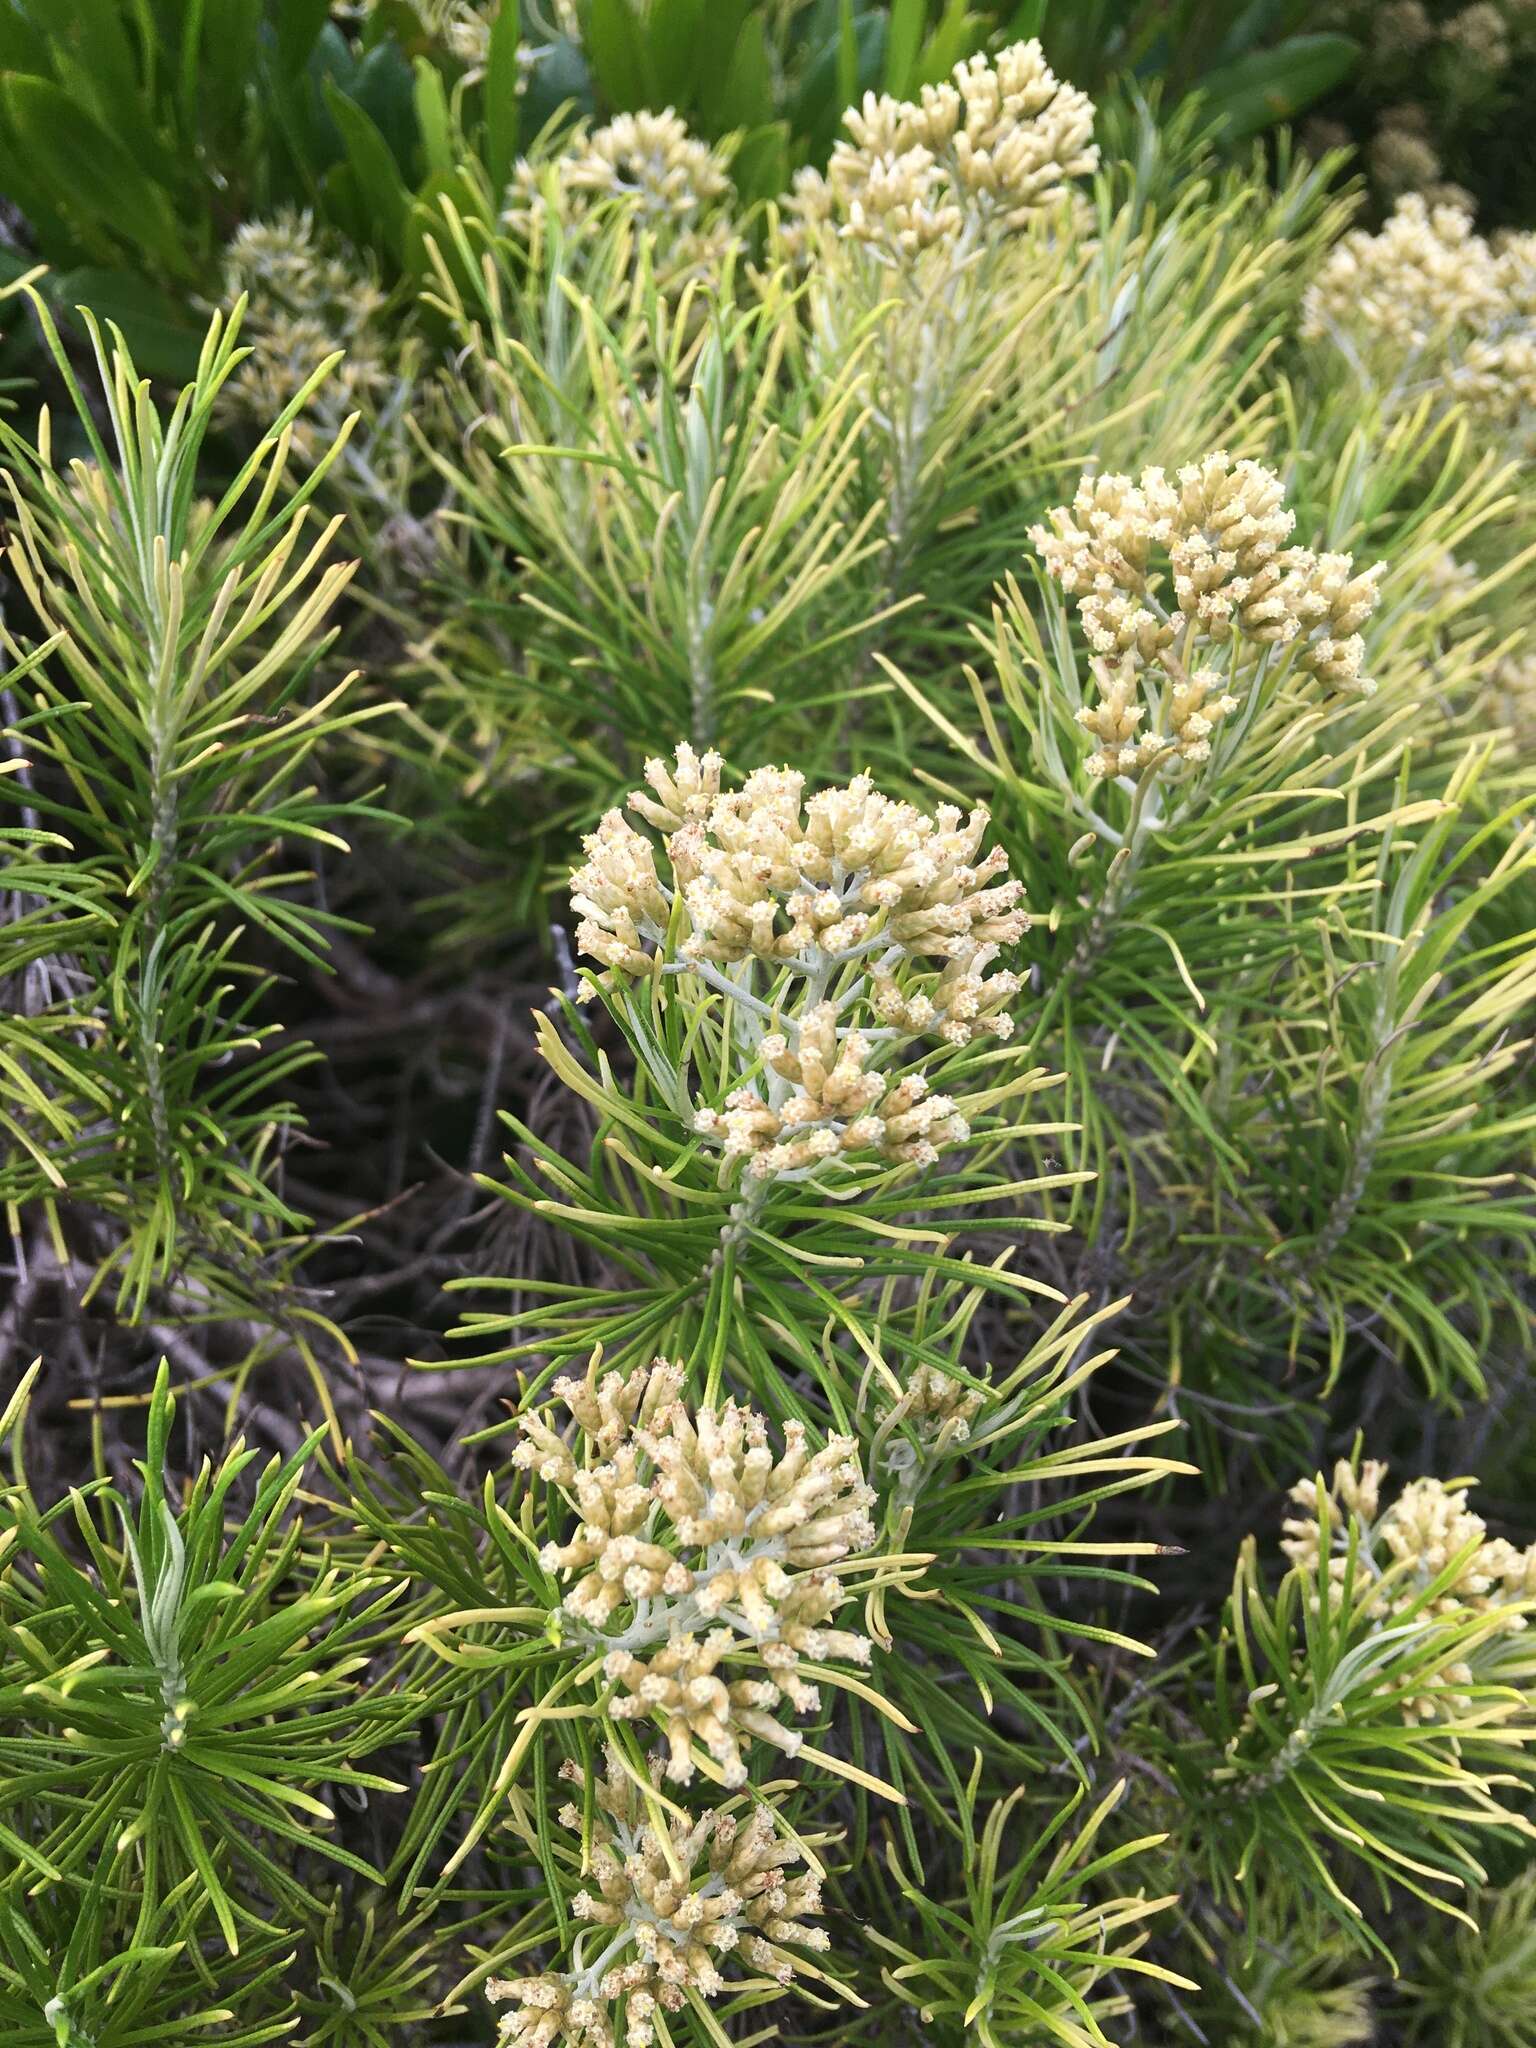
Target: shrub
(994, 686)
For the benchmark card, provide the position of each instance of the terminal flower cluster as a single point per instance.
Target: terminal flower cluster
(674, 1902)
(1401, 1550)
(1429, 305)
(939, 1408)
(990, 149)
(1177, 579)
(306, 298)
(848, 929)
(678, 186)
(705, 1563)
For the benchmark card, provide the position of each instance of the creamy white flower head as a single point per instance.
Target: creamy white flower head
(939, 1408)
(679, 1906)
(1426, 1541)
(549, 2012)
(990, 150)
(1201, 560)
(1428, 305)
(677, 186)
(706, 1563)
(877, 928)
(765, 873)
(1426, 272)
(308, 296)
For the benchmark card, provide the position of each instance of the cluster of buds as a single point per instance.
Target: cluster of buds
(707, 1565)
(675, 1901)
(676, 186)
(307, 298)
(916, 1431)
(1231, 580)
(939, 1408)
(836, 1105)
(991, 149)
(871, 925)
(1429, 305)
(463, 28)
(1395, 1554)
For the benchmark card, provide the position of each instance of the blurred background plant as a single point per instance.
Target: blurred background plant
(366, 112)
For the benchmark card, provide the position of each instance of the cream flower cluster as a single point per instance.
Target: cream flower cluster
(939, 1407)
(463, 27)
(677, 185)
(1222, 528)
(836, 1105)
(1404, 1548)
(992, 147)
(307, 299)
(873, 925)
(706, 1563)
(1429, 304)
(915, 1432)
(669, 1909)
(1426, 272)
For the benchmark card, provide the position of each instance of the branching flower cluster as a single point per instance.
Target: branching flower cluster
(674, 1900)
(1172, 643)
(989, 150)
(1429, 305)
(705, 1566)
(869, 926)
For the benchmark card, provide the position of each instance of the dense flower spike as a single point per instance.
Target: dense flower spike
(845, 900)
(1223, 529)
(673, 1911)
(697, 1549)
(1429, 305)
(990, 149)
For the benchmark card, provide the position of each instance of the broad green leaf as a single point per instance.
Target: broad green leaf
(154, 322)
(958, 33)
(432, 117)
(94, 59)
(761, 166)
(1275, 85)
(502, 111)
(717, 59)
(299, 23)
(227, 63)
(904, 39)
(676, 32)
(847, 55)
(95, 175)
(745, 99)
(379, 184)
(614, 45)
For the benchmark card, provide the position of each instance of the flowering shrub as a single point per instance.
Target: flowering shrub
(946, 759)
